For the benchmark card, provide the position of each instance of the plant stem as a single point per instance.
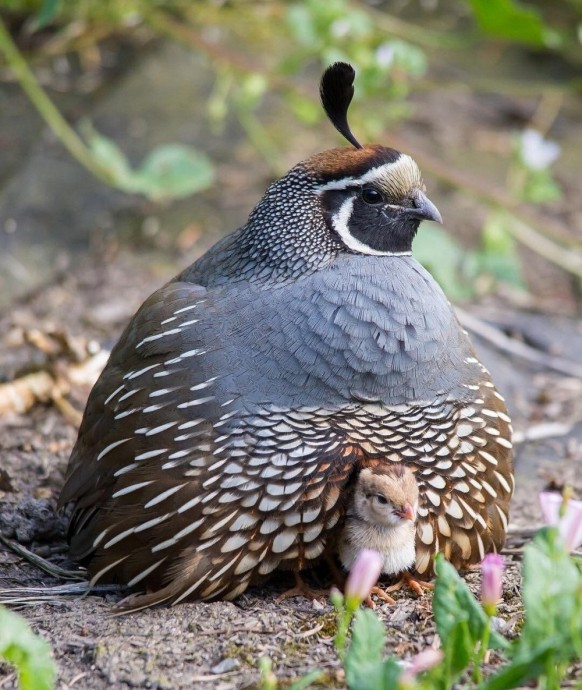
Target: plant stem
(480, 655)
(259, 138)
(47, 109)
(343, 623)
(414, 33)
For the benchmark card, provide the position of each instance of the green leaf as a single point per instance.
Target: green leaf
(307, 680)
(498, 256)
(172, 171)
(552, 595)
(540, 187)
(460, 647)
(300, 20)
(364, 667)
(48, 11)
(495, 236)
(106, 154)
(169, 172)
(27, 652)
(512, 21)
(453, 602)
(368, 636)
(520, 670)
(442, 255)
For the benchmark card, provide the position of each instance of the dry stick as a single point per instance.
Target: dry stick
(31, 595)
(9, 678)
(514, 347)
(42, 563)
(539, 432)
(184, 33)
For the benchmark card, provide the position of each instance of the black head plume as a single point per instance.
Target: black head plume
(336, 91)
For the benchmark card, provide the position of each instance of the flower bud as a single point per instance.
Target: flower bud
(491, 582)
(363, 576)
(565, 514)
(423, 661)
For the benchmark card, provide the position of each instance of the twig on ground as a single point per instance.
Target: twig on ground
(514, 347)
(539, 432)
(5, 681)
(42, 563)
(26, 596)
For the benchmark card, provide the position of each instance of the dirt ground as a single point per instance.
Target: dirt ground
(216, 645)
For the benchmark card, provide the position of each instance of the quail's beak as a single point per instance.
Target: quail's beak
(407, 512)
(424, 209)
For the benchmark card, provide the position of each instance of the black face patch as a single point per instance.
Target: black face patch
(382, 227)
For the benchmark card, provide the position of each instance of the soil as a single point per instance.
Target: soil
(217, 645)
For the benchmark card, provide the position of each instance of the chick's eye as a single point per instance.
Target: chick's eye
(382, 500)
(371, 196)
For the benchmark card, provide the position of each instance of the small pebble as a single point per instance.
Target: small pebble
(225, 666)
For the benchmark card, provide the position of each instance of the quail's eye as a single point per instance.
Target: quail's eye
(382, 500)
(372, 196)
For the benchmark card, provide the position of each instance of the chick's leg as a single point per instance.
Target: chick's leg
(381, 594)
(413, 583)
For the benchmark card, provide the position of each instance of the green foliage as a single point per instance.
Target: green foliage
(551, 637)
(27, 652)
(48, 12)
(552, 596)
(339, 31)
(269, 681)
(445, 258)
(509, 20)
(365, 665)
(61, 12)
(390, 55)
(453, 603)
(168, 172)
(540, 187)
(497, 256)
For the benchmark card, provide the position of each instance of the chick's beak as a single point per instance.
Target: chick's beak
(424, 209)
(407, 512)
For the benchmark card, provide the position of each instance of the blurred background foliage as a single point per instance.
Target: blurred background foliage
(257, 49)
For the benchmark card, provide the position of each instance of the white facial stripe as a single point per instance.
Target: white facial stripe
(375, 174)
(340, 224)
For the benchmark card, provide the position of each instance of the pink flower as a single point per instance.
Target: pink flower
(570, 523)
(363, 576)
(423, 661)
(491, 582)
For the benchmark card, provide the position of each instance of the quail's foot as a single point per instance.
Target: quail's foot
(302, 589)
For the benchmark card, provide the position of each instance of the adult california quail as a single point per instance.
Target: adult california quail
(382, 516)
(219, 443)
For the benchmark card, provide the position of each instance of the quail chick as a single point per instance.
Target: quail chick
(382, 517)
